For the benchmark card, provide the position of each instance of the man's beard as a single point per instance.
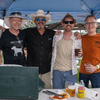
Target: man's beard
(40, 27)
(68, 30)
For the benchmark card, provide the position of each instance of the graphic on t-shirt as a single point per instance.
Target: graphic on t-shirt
(17, 50)
(96, 43)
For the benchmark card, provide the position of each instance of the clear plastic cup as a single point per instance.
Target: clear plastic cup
(71, 90)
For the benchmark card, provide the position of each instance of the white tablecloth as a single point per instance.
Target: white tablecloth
(44, 96)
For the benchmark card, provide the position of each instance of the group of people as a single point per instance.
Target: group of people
(50, 50)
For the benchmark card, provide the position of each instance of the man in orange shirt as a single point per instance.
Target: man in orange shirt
(90, 67)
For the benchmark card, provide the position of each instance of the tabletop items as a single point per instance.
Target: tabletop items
(89, 93)
(58, 95)
(73, 91)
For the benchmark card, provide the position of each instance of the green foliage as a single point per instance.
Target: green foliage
(79, 63)
(81, 33)
(1, 57)
(78, 70)
(29, 23)
(78, 76)
(98, 30)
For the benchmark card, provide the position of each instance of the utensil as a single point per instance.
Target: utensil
(53, 93)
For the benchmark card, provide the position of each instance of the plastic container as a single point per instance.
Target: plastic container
(81, 90)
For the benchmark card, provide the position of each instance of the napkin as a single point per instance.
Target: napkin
(60, 92)
(89, 93)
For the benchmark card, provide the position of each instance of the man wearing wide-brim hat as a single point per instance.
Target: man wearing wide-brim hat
(12, 39)
(39, 46)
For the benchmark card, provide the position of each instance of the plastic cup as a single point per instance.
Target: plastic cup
(71, 91)
(76, 51)
(68, 83)
(87, 64)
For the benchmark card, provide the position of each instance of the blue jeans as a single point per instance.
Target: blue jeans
(94, 78)
(60, 77)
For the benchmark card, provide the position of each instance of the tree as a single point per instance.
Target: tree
(29, 23)
(98, 30)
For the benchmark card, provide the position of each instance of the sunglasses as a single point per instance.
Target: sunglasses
(66, 22)
(38, 19)
(14, 13)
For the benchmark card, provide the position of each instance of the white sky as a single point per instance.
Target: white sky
(98, 20)
(2, 24)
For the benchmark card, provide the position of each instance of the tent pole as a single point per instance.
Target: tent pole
(48, 12)
(4, 13)
(91, 12)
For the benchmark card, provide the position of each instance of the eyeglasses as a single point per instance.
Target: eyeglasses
(38, 19)
(88, 23)
(18, 13)
(66, 22)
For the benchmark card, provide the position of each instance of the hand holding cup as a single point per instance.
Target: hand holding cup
(87, 64)
(78, 52)
(87, 67)
(90, 68)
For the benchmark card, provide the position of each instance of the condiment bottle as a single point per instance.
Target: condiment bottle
(81, 90)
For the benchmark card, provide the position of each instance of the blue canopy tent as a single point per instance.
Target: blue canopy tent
(57, 8)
